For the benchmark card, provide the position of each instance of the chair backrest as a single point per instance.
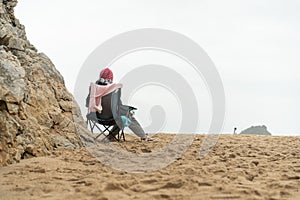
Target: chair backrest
(115, 105)
(109, 103)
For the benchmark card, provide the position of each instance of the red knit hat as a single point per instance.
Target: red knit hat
(107, 74)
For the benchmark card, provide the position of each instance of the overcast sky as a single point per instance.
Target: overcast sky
(255, 46)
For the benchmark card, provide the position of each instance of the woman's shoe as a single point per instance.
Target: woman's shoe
(147, 139)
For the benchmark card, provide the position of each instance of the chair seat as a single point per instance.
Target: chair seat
(93, 116)
(107, 121)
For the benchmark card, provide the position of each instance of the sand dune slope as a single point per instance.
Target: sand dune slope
(239, 167)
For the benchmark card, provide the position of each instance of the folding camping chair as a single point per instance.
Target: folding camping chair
(113, 113)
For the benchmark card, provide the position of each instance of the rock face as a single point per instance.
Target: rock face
(256, 130)
(37, 113)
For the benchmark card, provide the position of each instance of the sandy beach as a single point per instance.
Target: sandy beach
(238, 167)
(192, 66)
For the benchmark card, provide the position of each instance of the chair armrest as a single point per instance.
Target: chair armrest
(132, 108)
(127, 110)
(129, 107)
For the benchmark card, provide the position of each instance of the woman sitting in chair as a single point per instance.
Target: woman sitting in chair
(102, 103)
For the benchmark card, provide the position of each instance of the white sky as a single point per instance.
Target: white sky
(254, 44)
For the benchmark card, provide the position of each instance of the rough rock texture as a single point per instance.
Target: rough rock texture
(256, 130)
(36, 111)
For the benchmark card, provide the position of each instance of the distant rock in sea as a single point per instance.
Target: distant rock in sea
(256, 130)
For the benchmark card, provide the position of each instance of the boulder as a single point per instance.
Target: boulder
(256, 130)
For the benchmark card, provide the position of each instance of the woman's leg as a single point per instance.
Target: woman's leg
(136, 128)
(134, 125)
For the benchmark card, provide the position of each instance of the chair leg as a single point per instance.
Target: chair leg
(90, 124)
(118, 137)
(123, 135)
(110, 134)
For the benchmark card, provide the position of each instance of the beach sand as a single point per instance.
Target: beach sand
(238, 167)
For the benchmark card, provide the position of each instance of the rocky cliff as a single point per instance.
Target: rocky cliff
(36, 110)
